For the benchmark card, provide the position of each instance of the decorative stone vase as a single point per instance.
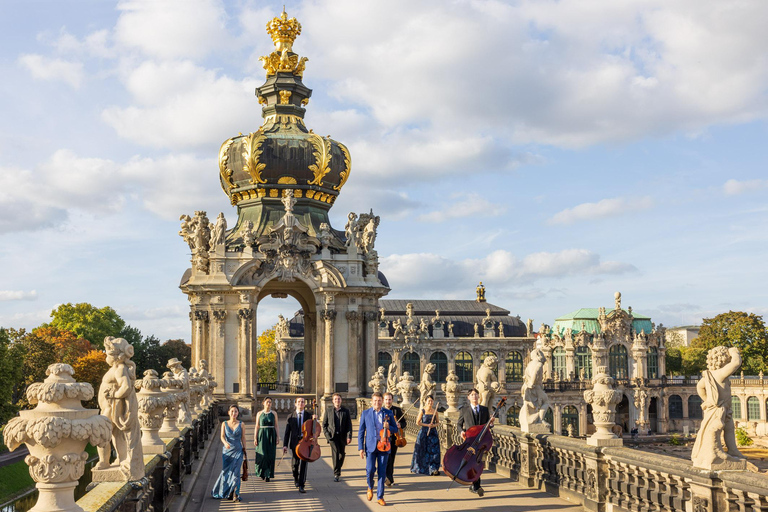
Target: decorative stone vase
(172, 388)
(195, 393)
(152, 403)
(452, 391)
(56, 432)
(604, 400)
(407, 388)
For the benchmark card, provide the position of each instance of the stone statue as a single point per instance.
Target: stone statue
(301, 379)
(249, 237)
(477, 330)
(603, 398)
(714, 388)
(535, 401)
(427, 385)
(450, 330)
(281, 329)
(208, 382)
(487, 382)
(397, 325)
(424, 326)
(118, 402)
(529, 328)
(152, 402)
(185, 415)
(219, 231)
(325, 235)
(569, 429)
(186, 231)
(378, 382)
(369, 234)
(452, 390)
(582, 373)
(641, 401)
(392, 379)
(350, 230)
(406, 386)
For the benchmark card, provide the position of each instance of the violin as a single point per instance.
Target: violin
(400, 439)
(384, 445)
(308, 448)
(463, 463)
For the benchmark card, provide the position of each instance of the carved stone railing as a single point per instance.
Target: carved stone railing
(609, 478)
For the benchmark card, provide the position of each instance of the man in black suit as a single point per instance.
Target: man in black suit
(398, 412)
(473, 414)
(337, 427)
(291, 439)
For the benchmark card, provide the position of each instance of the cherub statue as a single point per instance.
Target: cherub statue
(378, 382)
(487, 382)
(350, 229)
(392, 379)
(185, 416)
(427, 385)
(535, 401)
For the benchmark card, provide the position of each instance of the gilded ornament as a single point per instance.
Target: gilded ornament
(226, 172)
(347, 166)
(284, 97)
(305, 102)
(322, 154)
(251, 153)
(283, 31)
(262, 100)
(299, 69)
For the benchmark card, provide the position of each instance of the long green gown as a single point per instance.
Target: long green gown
(266, 446)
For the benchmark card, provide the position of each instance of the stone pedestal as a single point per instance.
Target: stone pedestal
(527, 462)
(604, 400)
(152, 403)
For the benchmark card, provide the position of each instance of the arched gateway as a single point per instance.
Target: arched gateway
(283, 179)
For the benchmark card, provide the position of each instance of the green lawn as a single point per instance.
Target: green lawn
(14, 479)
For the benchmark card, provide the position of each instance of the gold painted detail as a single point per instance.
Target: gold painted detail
(305, 102)
(251, 154)
(284, 97)
(284, 119)
(262, 100)
(284, 62)
(344, 175)
(286, 180)
(322, 154)
(226, 172)
(283, 31)
(243, 195)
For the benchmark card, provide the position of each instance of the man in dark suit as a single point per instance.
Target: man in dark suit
(473, 414)
(291, 439)
(371, 423)
(337, 427)
(397, 412)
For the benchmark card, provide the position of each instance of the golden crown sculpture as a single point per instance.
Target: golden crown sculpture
(283, 31)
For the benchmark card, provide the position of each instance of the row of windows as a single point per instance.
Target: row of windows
(695, 412)
(464, 364)
(569, 416)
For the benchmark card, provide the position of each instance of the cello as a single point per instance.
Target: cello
(463, 463)
(308, 448)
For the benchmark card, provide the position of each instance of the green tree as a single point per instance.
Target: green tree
(87, 321)
(694, 361)
(177, 349)
(746, 331)
(266, 356)
(69, 348)
(674, 361)
(37, 354)
(674, 339)
(10, 374)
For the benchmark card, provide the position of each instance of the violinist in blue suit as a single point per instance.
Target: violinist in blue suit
(371, 422)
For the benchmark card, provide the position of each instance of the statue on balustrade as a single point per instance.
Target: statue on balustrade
(378, 382)
(118, 402)
(392, 379)
(427, 385)
(185, 415)
(714, 388)
(535, 401)
(487, 382)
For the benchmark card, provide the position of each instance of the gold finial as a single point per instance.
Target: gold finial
(283, 31)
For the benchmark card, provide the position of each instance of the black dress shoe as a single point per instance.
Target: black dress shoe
(301, 490)
(267, 479)
(472, 490)
(335, 479)
(296, 483)
(480, 491)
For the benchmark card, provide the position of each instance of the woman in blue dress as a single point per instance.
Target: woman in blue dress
(426, 451)
(227, 486)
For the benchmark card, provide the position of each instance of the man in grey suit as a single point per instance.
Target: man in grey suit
(337, 427)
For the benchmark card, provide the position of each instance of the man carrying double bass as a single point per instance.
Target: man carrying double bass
(473, 414)
(397, 412)
(291, 439)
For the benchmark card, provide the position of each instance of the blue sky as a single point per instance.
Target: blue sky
(557, 151)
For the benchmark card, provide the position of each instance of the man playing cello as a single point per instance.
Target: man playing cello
(471, 415)
(372, 421)
(397, 412)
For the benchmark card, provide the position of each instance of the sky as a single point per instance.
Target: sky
(558, 151)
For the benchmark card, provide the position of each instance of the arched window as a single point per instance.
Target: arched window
(464, 367)
(570, 416)
(490, 353)
(653, 363)
(694, 407)
(513, 416)
(412, 365)
(617, 359)
(514, 367)
(753, 409)
(736, 407)
(558, 362)
(298, 362)
(385, 359)
(440, 360)
(675, 407)
(549, 416)
(584, 360)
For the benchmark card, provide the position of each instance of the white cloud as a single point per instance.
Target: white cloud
(8, 295)
(601, 209)
(467, 205)
(735, 187)
(46, 68)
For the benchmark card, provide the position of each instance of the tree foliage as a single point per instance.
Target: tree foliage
(67, 346)
(746, 331)
(91, 368)
(88, 321)
(177, 349)
(266, 356)
(10, 374)
(674, 361)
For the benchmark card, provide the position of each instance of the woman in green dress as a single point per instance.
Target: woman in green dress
(266, 441)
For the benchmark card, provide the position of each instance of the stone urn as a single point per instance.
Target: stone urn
(196, 390)
(407, 388)
(603, 399)
(452, 392)
(152, 402)
(56, 432)
(173, 389)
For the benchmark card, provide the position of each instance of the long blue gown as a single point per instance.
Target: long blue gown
(426, 450)
(232, 462)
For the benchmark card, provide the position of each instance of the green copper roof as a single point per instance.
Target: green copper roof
(588, 316)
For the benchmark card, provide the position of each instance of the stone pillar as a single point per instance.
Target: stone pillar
(371, 347)
(583, 419)
(685, 406)
(198, 350)
(662, 361)
(217, 352)
(557, 420)
(353, 324)
(528, 454)
(548, 363)
(245, 317)
(329, 315)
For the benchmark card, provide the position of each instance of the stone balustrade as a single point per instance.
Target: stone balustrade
(609, 478)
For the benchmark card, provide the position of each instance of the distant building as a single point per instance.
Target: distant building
(682, 336)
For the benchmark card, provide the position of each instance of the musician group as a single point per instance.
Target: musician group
(381, 432)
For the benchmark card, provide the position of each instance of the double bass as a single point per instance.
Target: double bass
(308, 448)
(463, 463)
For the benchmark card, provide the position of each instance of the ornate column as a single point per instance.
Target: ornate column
(353, 322)
(548, 363)
(245, 317)
(640, 355)
(583, 419)
(198, 350)
(557, 420)
(570, 350)
(371, 348)
(329, 315)
(217, 351)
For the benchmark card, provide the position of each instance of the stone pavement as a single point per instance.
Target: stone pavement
(411, 492)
